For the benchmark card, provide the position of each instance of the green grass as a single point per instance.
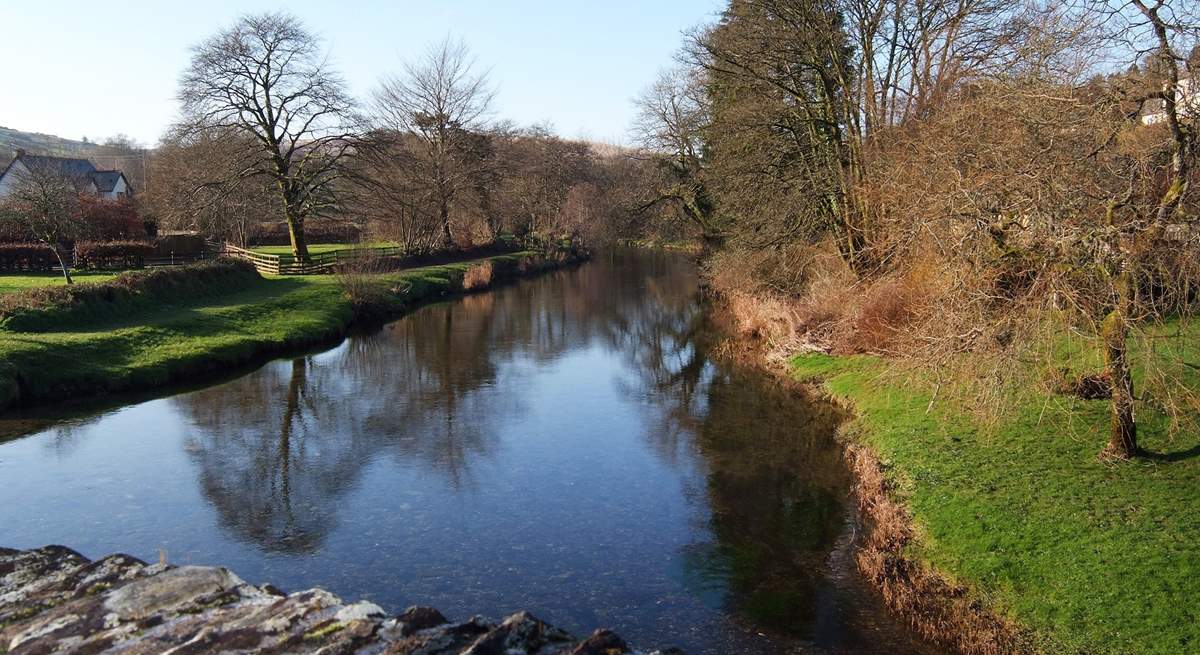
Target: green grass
(318, 248)
(1092, 557)
(12, 282)
(148, 348)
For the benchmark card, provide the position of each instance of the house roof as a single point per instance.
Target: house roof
(65, 166)
(106, 180)
(81, 172)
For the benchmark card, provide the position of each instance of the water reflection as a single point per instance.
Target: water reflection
(566, 445)
(277, 448)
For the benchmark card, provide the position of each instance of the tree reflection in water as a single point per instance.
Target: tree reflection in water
(277, 449)
(774, 498)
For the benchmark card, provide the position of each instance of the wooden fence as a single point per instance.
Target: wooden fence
(321, 262)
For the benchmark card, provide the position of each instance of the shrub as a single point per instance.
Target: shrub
(887, 307)
(478, 276)
(507, 242)
(188, 245)
(359, 278)
(111, 219)
(26, 257)
(65, 307)
(113, 255)
(463, 240)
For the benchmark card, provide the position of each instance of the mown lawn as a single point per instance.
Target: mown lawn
(1093, 557)
(10, 282)
(148, 348)
(317, 248)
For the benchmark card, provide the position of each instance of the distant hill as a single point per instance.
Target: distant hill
(42, 144)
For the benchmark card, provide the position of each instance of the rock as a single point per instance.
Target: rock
(54, 600)
(417, 618)
(521, 633)
(359, 611)
(601, 642)
(174, 589)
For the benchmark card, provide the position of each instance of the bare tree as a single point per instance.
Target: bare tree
(44, 205)
(443, 101)
(183, 198)
(1139, 240)
(267, 78)
(672, 114)
(396, 202)
(539, 170)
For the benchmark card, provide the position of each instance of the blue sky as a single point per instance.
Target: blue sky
(79, 69)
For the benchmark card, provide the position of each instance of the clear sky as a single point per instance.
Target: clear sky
(77, 69)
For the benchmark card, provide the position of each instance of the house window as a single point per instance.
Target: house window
(120, 195)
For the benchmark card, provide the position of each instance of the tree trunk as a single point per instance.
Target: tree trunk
(447, 235)
(296, 234)
(1122, 441)
(62, 264)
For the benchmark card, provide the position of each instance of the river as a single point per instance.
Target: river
(566, 445)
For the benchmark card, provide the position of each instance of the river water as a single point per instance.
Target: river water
(565, 445)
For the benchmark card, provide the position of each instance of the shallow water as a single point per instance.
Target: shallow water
(564, 445)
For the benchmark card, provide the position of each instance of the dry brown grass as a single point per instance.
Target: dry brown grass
(884, 312)
(359, 279)
(478, 276)
(835, 312)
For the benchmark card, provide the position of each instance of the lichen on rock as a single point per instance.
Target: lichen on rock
(54, 600)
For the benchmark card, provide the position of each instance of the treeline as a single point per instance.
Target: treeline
(270, 136)
(933, 178)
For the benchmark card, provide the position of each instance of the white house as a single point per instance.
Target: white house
(81, 172)
(1187, 103)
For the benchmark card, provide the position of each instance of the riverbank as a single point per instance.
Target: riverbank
(1012, 536)
(53, 599)
(689, 247)
(138, 346)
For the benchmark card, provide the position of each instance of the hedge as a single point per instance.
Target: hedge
(27, 257)
(112, 255)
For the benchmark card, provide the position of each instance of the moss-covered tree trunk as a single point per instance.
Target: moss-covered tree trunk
(299, 244)
(1122, 440)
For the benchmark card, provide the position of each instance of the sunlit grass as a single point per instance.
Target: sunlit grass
(1094, 557)
(11, 282)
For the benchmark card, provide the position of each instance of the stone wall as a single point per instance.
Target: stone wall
(54, 600)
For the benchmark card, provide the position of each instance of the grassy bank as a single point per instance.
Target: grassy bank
(1086, 556)
(683, 246)
(154, 345)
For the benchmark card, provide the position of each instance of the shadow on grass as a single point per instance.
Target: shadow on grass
(1173, 456)
(142, 313)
